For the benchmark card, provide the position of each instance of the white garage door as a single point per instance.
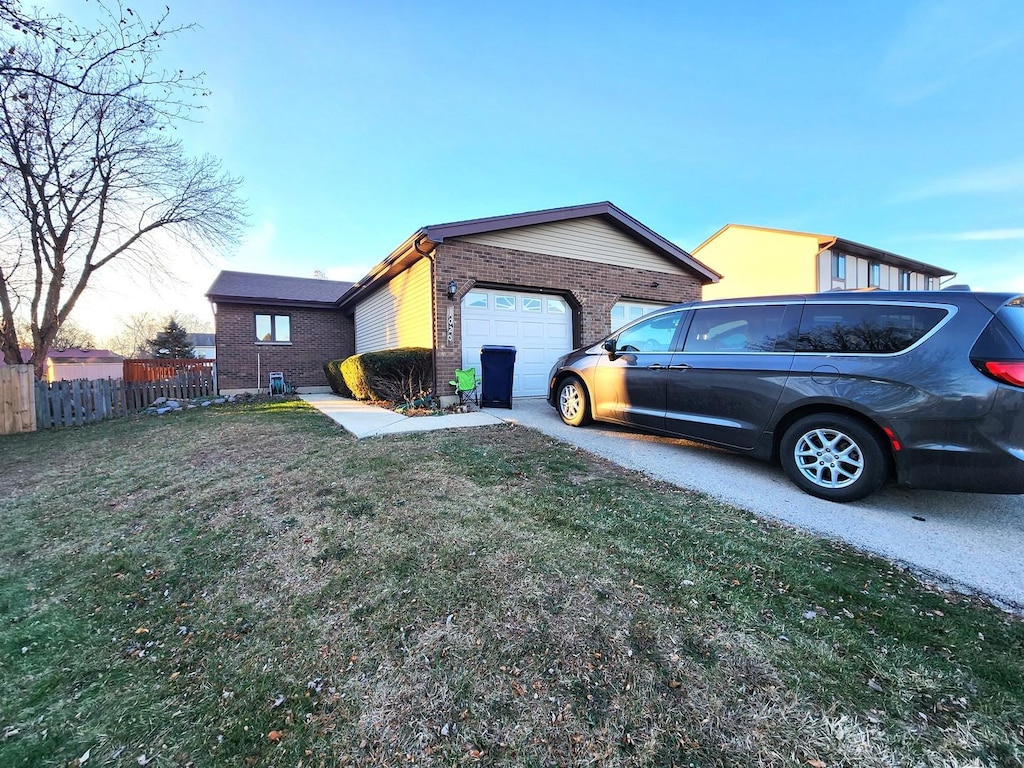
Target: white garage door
(626, 311)
(538, 326)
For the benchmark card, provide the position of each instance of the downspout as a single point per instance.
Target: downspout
(432, 256)
(822, 246)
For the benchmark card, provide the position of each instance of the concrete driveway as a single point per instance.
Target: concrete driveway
(971, 542)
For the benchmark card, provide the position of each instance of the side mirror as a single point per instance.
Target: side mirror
(609, 346)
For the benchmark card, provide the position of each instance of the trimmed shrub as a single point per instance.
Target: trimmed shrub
(332, 370)
(395, 375)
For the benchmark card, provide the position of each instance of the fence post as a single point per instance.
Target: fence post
(17, 399)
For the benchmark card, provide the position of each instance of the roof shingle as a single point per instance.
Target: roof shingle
(251, 287)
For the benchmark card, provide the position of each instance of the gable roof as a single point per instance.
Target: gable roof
(201, 339)
(425, 239)
(253, 288)
(826, 242)
(73, 355)
(76, 355)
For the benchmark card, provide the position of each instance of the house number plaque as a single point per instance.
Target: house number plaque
(451, 326)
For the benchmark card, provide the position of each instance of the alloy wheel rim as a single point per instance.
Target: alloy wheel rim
(570, 402)
(829, 458)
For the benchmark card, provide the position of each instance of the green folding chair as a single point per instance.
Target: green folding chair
(465, 384)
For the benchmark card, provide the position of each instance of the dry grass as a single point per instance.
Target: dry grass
(250, 586)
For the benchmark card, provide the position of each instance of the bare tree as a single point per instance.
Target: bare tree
(132, 340)
(89, 172)
(70, 336)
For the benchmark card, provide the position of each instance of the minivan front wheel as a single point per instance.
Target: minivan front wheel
(834, 457)
(573, 405)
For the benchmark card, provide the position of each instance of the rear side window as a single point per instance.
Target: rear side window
(864, 328)
(1003, 337)
(754, 328)
(1012, 316)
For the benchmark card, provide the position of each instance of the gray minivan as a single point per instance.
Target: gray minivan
(846, 389)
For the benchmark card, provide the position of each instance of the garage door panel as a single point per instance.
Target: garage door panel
(538, 326)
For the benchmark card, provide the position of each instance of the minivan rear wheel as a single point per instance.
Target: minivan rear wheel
(834, 457)
(573, 403)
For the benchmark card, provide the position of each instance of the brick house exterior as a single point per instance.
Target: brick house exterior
(318, 335)
(318, 331)
(591, 289)
(579, 263)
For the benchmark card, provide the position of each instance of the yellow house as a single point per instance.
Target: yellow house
(757, 261)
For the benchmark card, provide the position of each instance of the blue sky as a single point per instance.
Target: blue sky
(894, 124)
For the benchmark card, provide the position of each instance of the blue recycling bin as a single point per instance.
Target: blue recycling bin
(497, 364)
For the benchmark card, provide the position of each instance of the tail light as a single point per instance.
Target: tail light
(1007, 373)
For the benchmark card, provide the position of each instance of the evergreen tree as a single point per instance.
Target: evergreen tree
(172, 342)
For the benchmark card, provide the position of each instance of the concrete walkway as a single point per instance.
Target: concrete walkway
(364, 420)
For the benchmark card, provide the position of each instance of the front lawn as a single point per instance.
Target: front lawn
(250, 586)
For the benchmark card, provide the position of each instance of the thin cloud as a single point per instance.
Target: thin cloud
(1007, 234)
(985, 235)
(980, 181)
(943, 43)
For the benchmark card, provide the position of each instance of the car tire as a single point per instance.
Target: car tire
(834, 457)
(573, 402)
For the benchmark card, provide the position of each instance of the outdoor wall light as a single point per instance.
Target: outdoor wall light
(453, 288)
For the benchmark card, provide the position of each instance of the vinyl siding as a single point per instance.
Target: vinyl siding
(584, 239)
(759, 262)
(399, 314)
(857, 275)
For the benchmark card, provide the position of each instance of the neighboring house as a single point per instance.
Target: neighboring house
(71, 364)
(756, 261)
(204, 345)
(544, 282)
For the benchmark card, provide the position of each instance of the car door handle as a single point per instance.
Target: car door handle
(657, 367)
(680, 367)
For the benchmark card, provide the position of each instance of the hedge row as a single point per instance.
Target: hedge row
(394, 375)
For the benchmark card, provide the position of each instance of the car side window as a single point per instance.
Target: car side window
(753, 328)
(864, 328)
(653, 334)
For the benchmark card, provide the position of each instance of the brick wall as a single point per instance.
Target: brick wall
(590, 287)
(317, 335)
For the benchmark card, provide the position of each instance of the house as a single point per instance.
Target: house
(270, 323)
(71, 364)
(204, 344)
(543, 282)
(757, 261)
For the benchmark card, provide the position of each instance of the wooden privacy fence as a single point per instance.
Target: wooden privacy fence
(158, 369)
(73, 403)
(27, 405)
(17, 399)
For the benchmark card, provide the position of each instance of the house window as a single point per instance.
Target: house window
(839, 266)
(475, 301)
(874, 274)
(531, 305)
(904, 280)
(504, 302)
(556, 307)
(274, 328)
